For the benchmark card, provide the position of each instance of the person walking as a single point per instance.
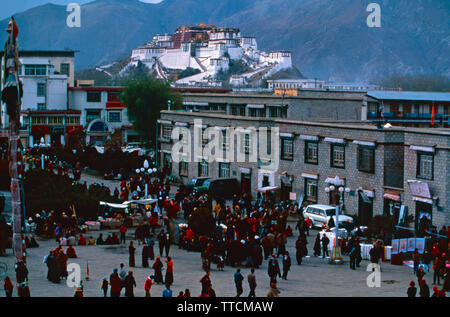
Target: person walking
(123, 231)
(325, 242)
(8, 286)
(273, 269)
(145, 254)
(438, 268)
(238, 278)
(412, 290)
(252, 283)
(157, 266)
(167, 292)
(169, 271)
(416, 260)
(206, 282)
(273, 292)
(116, 284)
(129, 284)
(286, 264)
(131, 250)
(167, 244)
(352, 255)
(424, 289)
(148, 286)
(104, 286)
(161, 242)
(317, 246)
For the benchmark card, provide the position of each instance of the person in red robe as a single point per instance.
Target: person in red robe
(148, 285)
(82, 240)
(71, 252)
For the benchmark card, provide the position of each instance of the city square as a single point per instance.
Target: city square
(233, 152)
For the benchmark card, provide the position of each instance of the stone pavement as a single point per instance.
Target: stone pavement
(315, 277)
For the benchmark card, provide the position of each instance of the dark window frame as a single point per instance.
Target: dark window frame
(308, 198)
(282, 152)
(418, 174)
(307, 161)
(332, 149)
(91, 94)
(371, 169)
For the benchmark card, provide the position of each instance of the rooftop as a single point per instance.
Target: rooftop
(410, 95)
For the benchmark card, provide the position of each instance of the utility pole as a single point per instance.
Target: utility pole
(11, 95)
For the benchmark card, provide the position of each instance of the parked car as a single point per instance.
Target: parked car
(221, 187)
(195, 182)
(320, 214)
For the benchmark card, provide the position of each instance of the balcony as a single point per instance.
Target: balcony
(409, 117)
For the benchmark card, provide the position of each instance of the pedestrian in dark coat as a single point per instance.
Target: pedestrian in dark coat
(317, 246)
(169, 271)
(116, 284)
(286, 264)
(162, 242)
(130, 284)
(412, 290)
(252, 283)
(131, 250)
(145, 255)
(325, 242)
(273, 269)
(151, 243)
(157, 266)
(238, 278)
(424, 289)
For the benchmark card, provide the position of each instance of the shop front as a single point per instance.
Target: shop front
(421, 195)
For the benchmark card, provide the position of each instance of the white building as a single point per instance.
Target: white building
(102, 115)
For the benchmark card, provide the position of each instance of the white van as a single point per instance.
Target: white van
(320, 214)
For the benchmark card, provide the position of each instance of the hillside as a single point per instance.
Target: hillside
(327, 38)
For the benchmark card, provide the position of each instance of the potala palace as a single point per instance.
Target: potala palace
(209, 50)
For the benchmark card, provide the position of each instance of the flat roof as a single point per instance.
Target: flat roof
(33, 53)
(344, 125)
(410, 95)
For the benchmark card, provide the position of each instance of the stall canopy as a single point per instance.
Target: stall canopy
(118, 206)
(420, 191)
(336, 181)
(268, 189)
(126, 204)
(392, 196)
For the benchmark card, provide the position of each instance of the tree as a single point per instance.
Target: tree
(145, 98)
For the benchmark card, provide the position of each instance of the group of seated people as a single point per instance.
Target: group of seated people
(110, 240)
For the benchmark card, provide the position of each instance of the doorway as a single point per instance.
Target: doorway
(365, 209)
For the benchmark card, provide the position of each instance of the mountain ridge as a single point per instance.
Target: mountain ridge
(328, 39)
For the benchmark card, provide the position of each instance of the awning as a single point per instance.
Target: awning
(245, 170)
(310, 175)
(364, 197)
(287, 135)
(268, 189)
(421, 148)
(141, 201)
(118, 206)
(420, 191)
(392, 196)
(309, 137)
(256, 106)
(199, 104)
(334, 140)
(182, 124)
(336, 181)
(165, 122)
(364, 143)
(285, 179)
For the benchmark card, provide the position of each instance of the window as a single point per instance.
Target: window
(184, 167)
(246, 143)
(166, 132)
(113, 96)
(203, 169)
(238, 111)
(93, 96)
(73, 120)
(35, 70)
(275, 112)
(311, 189)
(337, 156)
(287, 149)
(114, 116)
(425, 165)
(41, 106)
(366, 159)
(257, 112)
(38, 120)
(41, 90)
(55, 120)
(65, 69)
(225, 141)
(311, 152)
(92, 115)
(224, 170)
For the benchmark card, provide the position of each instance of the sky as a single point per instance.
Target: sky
(10, 7)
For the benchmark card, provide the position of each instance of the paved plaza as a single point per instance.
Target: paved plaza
(315, 277)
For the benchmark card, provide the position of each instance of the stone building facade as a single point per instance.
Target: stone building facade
(376, 165)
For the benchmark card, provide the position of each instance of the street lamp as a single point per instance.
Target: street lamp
(336, 252)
